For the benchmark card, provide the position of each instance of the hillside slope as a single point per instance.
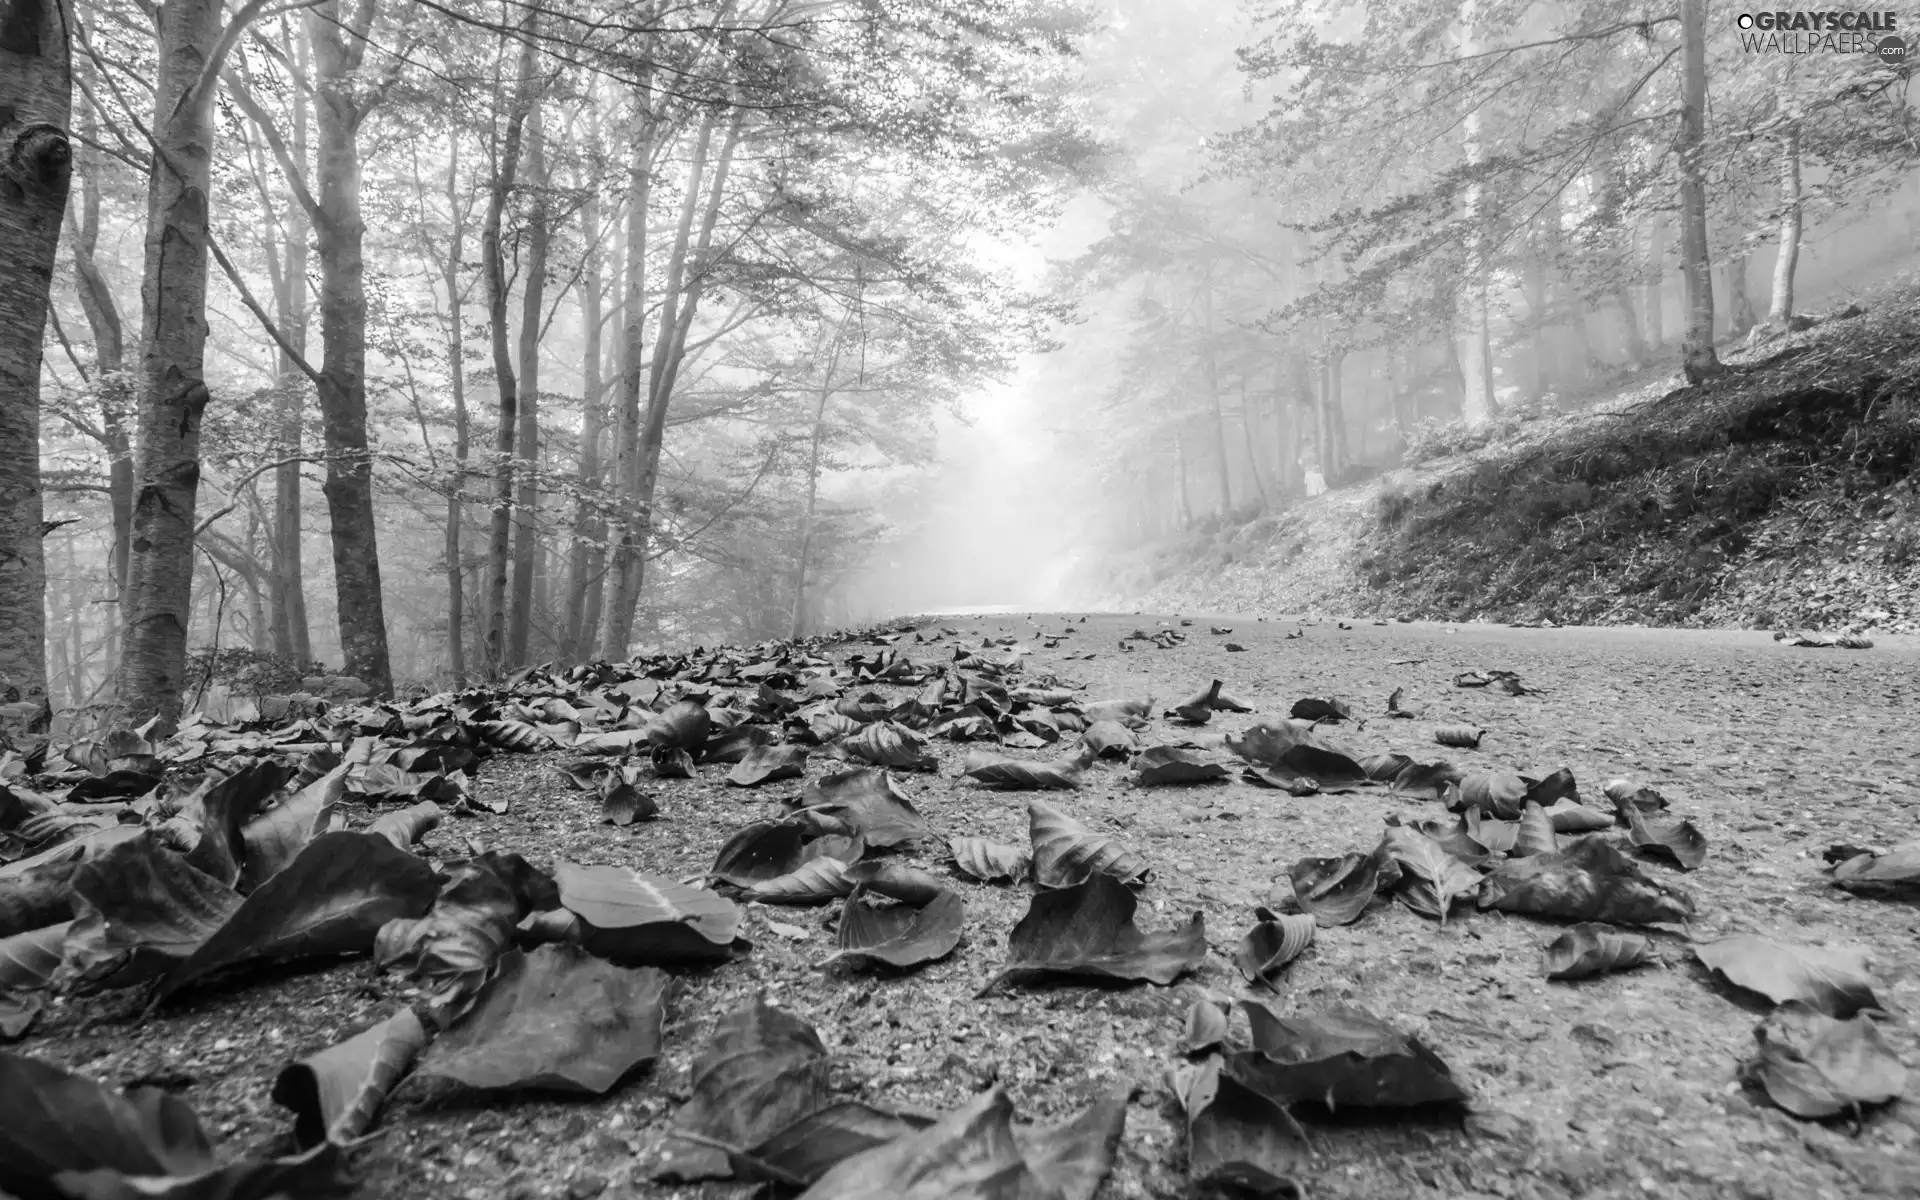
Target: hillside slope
(1781, 495)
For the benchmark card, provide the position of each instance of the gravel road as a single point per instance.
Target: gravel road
(1626, 1085)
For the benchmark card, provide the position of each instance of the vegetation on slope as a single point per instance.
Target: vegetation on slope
(1782, 494)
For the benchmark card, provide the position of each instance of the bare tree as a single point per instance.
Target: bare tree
(36, 164)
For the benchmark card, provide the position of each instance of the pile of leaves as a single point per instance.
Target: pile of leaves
(158, 867)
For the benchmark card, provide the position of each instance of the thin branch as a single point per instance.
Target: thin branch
(266, 322)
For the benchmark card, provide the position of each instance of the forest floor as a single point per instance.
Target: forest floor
(1783, 495)
(1625, 1085)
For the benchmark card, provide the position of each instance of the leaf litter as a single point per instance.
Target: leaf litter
(1531, 849)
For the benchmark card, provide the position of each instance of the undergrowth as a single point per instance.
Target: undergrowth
(1638, 514)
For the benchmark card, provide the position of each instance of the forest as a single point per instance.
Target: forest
(412, 345)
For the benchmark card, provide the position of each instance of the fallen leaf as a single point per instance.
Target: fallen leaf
(331, 899)
(1431, 880)
(1383, 768)
(1014, 773)
(1590, 880)
(1399, 706)
(990, 862)
(1087, 931)
(140, 910)
(405, 826)
(1333, 711)
(1463, 736)
(1569, 817)
(869, 802)
(336, 1094)
(1424, 781)
(763, 1069)
(1534, 833)
(1815, 1066)
(976, 1153)
(899, 935)
(556, 1019)
(1066, 853)
(1335, 891)
(1495, 794)
(1109, 739)
(807, 1149)
(1833, 981)
(1895, 873)
(1343, 1057)
(896, 881)
(1678, 842)
(1206, 1026)
(1274, 941)
(1592, 949)
(630, 917)
(622, 803)
(1160, 765)
(1239, 1143)
(683, 725)
(1197, 709)
(63, 1135)
(1122, 711)
(889, 744)
(768, 764)
(452, 950)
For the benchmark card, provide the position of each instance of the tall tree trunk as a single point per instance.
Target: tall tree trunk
(1180, 461)
(678, 304)
(338, 52)
(1210, 367)
(462, 426)
(1630, 328)
(110, 380)
(293, 636)
(621, 585)
(583, 566)
(1477, 401)
(173, 389)
(36, 165)
(1699, 362)
(1740, 314)
(797, 623)
(1252, 444)
(1780, 310)
(526, 536)
(1654, 280)
(493, 265)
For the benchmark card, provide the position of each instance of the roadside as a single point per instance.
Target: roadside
(1783, 496)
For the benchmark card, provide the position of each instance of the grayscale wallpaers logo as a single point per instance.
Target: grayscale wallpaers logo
(1823, 33)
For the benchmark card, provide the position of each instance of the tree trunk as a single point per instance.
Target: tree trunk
(1630, 328)
(526, 536)
(583, 564)
(1477, 401)
(462, 427)
(36, 165)
(1699, 362)
(109, 360)
(493, 264)
(173, 389)
(1251, 444)
(1210, 367)
(1180, 460)
(677, 308)
(797, 624)
(620, 587)
(1740, 315)
(1780, 310)
(338, 53)
(1654, 284)
(292, 635)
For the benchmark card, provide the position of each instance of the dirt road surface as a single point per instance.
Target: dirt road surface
(1627, 1085)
